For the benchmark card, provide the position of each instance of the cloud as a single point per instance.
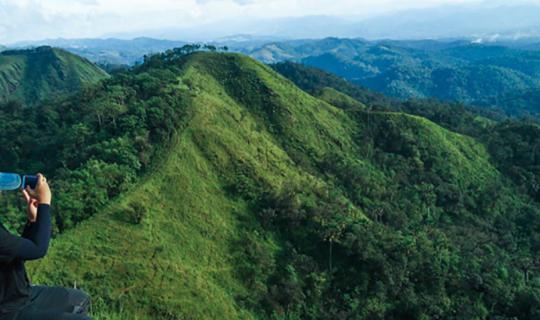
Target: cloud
(38, 19)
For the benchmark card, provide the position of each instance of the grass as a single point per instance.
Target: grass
(339, 99)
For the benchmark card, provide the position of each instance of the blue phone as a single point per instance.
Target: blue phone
(28, 180)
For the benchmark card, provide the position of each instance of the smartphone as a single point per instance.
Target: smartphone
(28, 180)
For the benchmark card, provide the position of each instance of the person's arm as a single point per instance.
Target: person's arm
(30, 229)
(36, 238)
(37, 234)
(31, 212)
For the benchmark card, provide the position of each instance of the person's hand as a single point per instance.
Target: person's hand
(42, 192)
(31, 209)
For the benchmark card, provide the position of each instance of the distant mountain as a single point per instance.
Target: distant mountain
(109, 51)
(36, 74)
(533, 46)
(282, 28)
(449, 70)
(519, 102)
(494, 19)
(246, 39)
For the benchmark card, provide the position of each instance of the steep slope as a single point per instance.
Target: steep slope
(335, 90)
(314, 81)
(273, 204)
(194, 229)
(42, 73)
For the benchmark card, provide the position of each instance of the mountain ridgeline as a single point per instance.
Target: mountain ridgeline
(30, 76)
(209, 186)
(502, 75)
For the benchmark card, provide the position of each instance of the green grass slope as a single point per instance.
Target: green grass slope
(42, 73)
(181, 261)
(338, 92)
(272, 203)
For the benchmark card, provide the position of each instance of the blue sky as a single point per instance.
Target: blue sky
(38, 19)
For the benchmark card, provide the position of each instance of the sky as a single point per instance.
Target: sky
(24, 20)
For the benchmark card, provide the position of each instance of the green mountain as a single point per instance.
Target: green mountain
(331, 88)
(208, 186)
(32, 75)
(519, 102)
(455, 71)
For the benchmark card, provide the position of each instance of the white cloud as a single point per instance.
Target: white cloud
(37, 19)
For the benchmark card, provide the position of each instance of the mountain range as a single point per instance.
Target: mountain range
(453, 71)
(208, 185)
(109, 51)
(488, 20)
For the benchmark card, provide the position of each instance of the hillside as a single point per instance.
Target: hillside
(32, 75)
(335, 90)
(519, 102)
(208, 186)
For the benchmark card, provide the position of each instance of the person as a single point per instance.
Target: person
(18, 299)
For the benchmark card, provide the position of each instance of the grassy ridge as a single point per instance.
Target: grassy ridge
(398, 198)
(181, 261)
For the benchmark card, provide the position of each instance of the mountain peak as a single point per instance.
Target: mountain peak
(31, 75)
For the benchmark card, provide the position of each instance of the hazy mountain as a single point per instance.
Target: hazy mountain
(449, 70)
(275, 28)
(127, 52)
(109, 51)
(517, 102)
(30, 76)
(246, 39)
(532, 46)
(488, 20)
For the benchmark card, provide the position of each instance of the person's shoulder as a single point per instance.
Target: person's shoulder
(3, 229)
